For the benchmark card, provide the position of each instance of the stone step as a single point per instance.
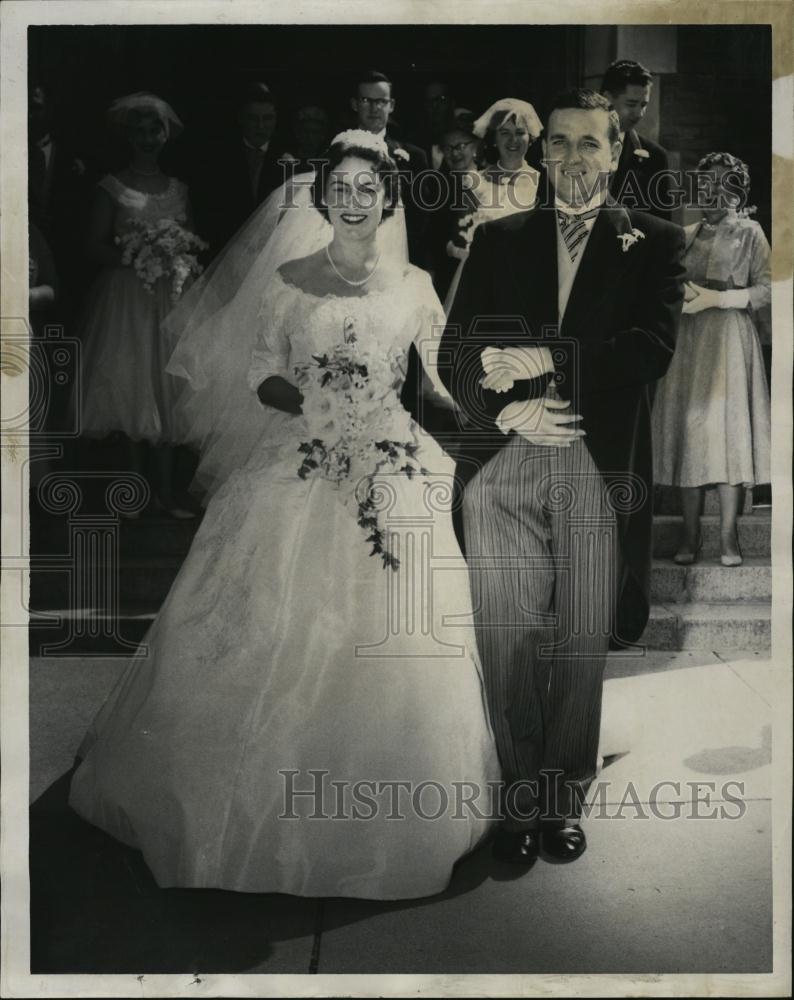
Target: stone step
(723, 626)
(700, 626)
(709, 581)
(89, 633)
(755, 534)
(159, 535)
(716, 625)
(667, 500)
(145, 579)
(149, 578)
(154, 534)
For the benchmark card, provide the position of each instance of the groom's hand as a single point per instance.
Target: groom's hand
(505, 366)
(541, 422)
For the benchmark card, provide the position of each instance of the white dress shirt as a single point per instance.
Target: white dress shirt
(566, 268)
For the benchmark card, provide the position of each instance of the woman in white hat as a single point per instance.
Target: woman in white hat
(508, 128)
(508, 184)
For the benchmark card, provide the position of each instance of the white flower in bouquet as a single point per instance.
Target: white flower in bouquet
(164, 249)
(357, 425)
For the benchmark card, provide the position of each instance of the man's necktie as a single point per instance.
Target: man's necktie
(574, 230)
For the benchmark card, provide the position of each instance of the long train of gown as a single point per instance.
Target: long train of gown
(277, 651)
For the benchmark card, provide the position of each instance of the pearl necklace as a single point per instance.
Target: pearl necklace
(348, 281)
(507, 170)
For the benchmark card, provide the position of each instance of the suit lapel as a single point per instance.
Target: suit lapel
(533, 270)
(601, 269)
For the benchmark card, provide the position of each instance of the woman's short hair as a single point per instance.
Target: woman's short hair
(382, 165)
(711, 161)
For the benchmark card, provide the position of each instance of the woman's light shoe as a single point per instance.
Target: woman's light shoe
(731, 560)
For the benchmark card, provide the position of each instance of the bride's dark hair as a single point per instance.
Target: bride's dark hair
(383, 166)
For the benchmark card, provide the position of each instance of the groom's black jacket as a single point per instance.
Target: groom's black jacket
(617, 337)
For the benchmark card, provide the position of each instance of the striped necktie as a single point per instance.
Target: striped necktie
(574, 230)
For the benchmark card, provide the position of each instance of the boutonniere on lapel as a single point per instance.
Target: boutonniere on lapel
(642, 154)
(627, 240)
(401, 154)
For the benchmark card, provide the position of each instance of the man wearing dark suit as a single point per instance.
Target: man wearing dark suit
(373, 104)
(243, 171)
(576, 301)
(58, 196)
(640, 180)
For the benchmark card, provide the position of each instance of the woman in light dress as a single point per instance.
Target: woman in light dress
(125, 386)
(292, 678)
(508, 128)
(507, 184)
(711, 415)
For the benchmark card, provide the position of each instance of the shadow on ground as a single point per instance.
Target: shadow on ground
(95, 907)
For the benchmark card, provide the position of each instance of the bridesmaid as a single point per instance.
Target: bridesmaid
(711, 416)
(508, 128)
(125, 386)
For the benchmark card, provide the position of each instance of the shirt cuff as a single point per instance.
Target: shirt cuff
(500, 422)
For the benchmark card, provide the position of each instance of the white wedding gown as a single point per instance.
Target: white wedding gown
(284, 646)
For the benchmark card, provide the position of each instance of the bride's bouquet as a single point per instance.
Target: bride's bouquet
(163, 249)
(352, 408)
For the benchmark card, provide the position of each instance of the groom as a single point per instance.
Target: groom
(576, 302)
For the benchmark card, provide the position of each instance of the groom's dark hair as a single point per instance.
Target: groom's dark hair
(586, 100)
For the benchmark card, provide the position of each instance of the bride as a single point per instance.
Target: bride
(306, 715)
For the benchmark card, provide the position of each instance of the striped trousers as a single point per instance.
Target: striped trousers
(543, 555)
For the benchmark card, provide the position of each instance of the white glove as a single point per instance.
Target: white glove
(541, 422)
(505, 366)
(697, 298)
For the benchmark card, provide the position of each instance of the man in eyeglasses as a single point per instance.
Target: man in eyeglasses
(373, 104)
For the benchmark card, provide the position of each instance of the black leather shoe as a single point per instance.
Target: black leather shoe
(563, 843)
(516, 847)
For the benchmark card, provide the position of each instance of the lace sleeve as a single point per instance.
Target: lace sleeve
(270, 355)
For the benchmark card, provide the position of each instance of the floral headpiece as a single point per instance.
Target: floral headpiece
(120, 110)
(517, 110)
(363, 139)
